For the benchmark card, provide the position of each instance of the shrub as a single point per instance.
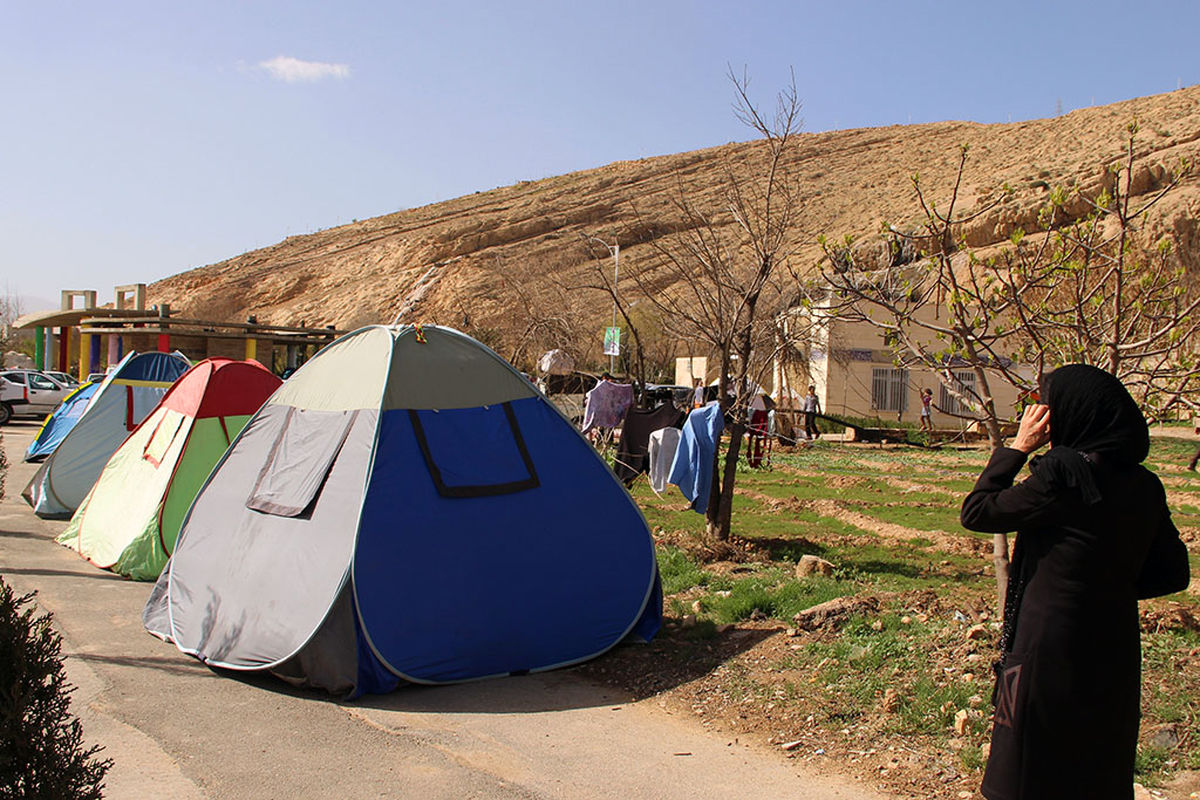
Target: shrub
(41, 742)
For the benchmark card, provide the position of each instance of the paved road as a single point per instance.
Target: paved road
(176, 729)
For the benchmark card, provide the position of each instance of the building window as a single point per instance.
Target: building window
(964, 383)
(889, 389)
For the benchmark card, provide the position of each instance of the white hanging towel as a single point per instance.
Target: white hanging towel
(663, 444)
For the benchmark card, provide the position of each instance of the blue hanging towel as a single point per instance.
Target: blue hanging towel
(692, 470)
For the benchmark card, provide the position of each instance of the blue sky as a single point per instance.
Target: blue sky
(141, 139)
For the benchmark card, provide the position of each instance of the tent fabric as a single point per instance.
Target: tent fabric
(556, 362)
(130, 519)
(421, 553)
(59, 423)
(126, 396)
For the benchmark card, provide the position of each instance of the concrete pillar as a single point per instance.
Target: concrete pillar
(64, 349)
(94, 361)
(114, 349)
(85, 356)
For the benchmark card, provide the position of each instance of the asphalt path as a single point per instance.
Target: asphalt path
(176, 729)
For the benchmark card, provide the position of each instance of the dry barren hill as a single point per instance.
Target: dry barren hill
(478, 262)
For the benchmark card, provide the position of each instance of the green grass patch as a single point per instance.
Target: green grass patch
(679, 572)
(774, 595)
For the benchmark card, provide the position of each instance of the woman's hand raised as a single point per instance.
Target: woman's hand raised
(1034, 430)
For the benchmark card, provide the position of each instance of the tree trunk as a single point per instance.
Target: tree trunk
(712, 515)
(1000, 561)
(719, 517)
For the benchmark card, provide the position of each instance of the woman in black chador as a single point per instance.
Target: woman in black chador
(1094, 536)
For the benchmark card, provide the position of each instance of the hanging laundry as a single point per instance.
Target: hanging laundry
(693, 468)
(661, 455)
(606, 404)
(635, 437)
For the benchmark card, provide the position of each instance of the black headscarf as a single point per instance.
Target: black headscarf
(1093, 420)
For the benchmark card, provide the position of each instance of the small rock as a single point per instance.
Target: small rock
(810, 565)
(976, 632)
(696, 607)
(975, 701)
(688, 621)
(791, 745)
(877, 625)
(891, 701)
(968, 677)
(757, 615)
(964, 795)
(1165, 737)
(793, 632)
(906, 620)
(961, 721)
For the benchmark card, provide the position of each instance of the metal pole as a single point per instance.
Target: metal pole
(616, 251)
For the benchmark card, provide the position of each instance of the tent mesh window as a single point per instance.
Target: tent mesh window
(889, 389)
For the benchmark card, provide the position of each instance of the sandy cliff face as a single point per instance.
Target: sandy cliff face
(479, 262)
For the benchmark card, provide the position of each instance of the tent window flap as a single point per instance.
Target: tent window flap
(474, 452)
(299, 461)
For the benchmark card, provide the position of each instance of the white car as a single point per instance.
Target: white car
(70, 381)
(27, 392)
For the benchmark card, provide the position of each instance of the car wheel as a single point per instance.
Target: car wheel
(5, 413)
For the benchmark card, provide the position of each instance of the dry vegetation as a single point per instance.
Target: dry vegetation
(489, 262)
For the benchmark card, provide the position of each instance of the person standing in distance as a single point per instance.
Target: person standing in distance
(812, 407)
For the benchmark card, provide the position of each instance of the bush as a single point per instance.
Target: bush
(41, 742)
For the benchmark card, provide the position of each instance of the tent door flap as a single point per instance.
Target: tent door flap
(299, 461)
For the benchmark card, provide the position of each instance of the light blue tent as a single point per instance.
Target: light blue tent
(59, 422)
(407, 507)
(123, 399)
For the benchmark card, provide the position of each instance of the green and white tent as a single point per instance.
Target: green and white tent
(129, 521)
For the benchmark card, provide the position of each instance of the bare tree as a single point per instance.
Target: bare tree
(11, 307)
(1099, 291)
(1085, 287)
(727, 291)
(932, 299)
(551, 314)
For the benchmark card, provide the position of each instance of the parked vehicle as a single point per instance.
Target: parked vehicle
(27, 392)
(65, 378)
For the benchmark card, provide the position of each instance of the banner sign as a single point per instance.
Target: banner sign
(612, 341)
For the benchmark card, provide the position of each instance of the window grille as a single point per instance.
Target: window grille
(964, 382)
(889, 389)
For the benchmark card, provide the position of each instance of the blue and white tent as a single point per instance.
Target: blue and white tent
(59, 422)
(122, 400)
(407, 507)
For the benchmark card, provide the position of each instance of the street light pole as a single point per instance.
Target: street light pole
(615, 250)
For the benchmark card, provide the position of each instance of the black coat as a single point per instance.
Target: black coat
(1067, 692)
